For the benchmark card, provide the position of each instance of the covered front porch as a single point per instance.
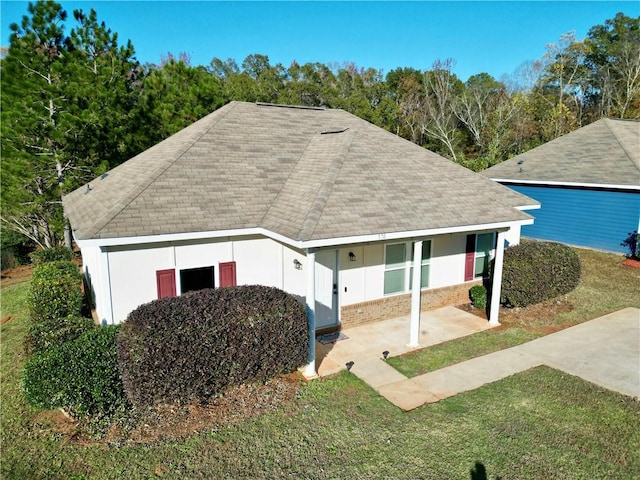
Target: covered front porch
(368, 342)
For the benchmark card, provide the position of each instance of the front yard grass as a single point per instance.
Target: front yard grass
(605, 286)
(538, 424)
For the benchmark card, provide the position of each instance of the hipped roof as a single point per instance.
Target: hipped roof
(303, 173)
(604, 153)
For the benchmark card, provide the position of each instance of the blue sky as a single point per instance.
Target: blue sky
(492, 37)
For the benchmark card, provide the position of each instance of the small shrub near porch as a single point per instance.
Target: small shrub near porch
(190, 348)
(538, 271)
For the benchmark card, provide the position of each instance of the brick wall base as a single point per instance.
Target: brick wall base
(400, 305)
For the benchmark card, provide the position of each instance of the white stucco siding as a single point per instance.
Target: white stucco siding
(447, 260)
(258, 262)
(352, 280)
(96, 274)
(512, 236)
(294, 280)
(203, 253)
(133, 276)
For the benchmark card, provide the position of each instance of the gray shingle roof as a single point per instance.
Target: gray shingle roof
(606, 152)
(307, 174)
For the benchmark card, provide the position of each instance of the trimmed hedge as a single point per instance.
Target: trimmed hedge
(53, 254)
(55, 291)
(81, 375)
(50, 333)
(538, 271)
(190, 348)
(478, 296)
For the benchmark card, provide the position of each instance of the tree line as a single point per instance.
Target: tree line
(76, 104)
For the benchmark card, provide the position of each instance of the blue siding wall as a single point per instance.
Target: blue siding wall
(592, 218)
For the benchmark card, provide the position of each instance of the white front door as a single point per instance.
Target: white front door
(326, 288)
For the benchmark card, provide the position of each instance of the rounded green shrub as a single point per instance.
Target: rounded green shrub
(190, 348)
(53, 254)
(49, 333)
(81, 375)
(538, 271)
(478, 296)
(55, 291)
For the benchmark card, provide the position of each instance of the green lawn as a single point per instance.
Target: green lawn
(539, 424)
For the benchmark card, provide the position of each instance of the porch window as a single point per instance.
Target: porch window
(395, 268)
(398, 266)
(485, 243)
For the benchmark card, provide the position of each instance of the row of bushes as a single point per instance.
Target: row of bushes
(180, 349)
(72, 364)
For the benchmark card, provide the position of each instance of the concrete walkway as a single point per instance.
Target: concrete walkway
(604, 351)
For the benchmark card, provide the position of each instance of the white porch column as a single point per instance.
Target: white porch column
(416, 281)
(496, 286)
(310, 369)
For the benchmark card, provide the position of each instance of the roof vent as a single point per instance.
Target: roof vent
(520, 162)
(337, 130)
(299, 107)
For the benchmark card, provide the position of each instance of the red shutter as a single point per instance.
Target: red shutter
(470, 258)
(166, 282)
(227, 274)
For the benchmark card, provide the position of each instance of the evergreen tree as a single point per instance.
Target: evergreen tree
(66, 115)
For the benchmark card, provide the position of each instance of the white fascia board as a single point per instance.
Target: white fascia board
(567, 184)
(300, 244)
(380, 237)
(167, 237)
(529, 207)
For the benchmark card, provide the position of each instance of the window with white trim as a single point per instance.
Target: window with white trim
(485, 243)
(398, 266)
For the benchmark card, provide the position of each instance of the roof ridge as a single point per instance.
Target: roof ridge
(322, 195)
(630, 154)
(136, 191)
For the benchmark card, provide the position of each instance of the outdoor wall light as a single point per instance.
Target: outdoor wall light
(297, 265)
(349, 365)
(352, 257)
(385, 354)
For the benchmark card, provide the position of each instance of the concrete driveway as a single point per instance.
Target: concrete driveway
(604, 351)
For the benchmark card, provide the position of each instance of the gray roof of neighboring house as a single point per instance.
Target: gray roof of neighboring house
(306, 174)
(606, 152)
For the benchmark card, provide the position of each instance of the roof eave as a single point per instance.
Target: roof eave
(552, 183)
(300, 244)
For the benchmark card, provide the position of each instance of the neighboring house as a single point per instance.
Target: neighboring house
(317, 202)
(587, 181)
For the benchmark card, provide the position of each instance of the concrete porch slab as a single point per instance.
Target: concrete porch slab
(369, 341)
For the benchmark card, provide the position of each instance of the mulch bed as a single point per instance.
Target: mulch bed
(164, 423)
